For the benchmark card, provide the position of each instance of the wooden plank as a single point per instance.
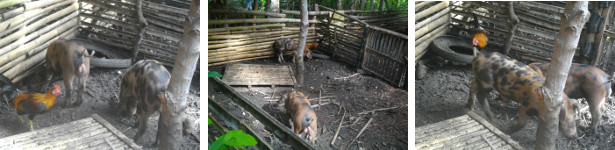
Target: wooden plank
(81, 134)
(255, 74)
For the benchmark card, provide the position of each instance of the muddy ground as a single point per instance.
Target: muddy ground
(103, 88)
(356, 94)
(443, 93)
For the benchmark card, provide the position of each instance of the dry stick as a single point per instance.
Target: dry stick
(340, 109)
(319, 99)
(360, 132)
(490, 145)
(380, 109)
(318, 105)
(338, 128)
(347, 76)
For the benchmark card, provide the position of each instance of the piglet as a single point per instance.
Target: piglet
(302, 116)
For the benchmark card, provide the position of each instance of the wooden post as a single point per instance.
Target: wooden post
(599, 36)
(300, 66)
(514, 20)
(314, 18)
(364, 43)
(141, 26)
(575, 16)
(171, 116)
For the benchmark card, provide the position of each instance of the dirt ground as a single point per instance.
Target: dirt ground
(356, 94)
(103, 88)
(443, 93)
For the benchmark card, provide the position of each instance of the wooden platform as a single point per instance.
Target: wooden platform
(90, 133)
(257, 74)
(469, 131)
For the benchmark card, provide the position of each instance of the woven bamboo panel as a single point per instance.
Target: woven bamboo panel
(256, 74)
(90, 133)
(469, 131)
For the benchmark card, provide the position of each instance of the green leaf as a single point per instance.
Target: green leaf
(219, 144)
(236, 138)
(214, 74)
(208, 121)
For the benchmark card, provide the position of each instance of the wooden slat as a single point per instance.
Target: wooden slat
(255, 74)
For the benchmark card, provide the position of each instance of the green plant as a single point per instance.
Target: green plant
(214, 74)
(233, 138)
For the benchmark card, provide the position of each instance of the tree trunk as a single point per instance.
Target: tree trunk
(274, 6)
(170, 123)
(353, 5)
(381, 5)
(339, 5)
(254, 8)
(514, 20)
(386, 3)
(300, 67)
(141, 26)
(371, 2)
(362, 5)
(575, 16)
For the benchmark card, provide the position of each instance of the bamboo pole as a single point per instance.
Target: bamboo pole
(37, 24)
(251, 35)
(123, 33)
(32, 34)
(425, 44)
(249, 42)
(258, 51)
(422, 31)
(44, 37)
(108, 20)
(431, 10)
(234, 11)
(11, 13)
(238, 60)
(7, 3)
(39, 4)
(17, 20)
(433, 18)
(165, 8)
(421, 4)
(310, 13)
(21, 66)
(437, 32)
(34, 69)
(213, 30)
(106, 5)
(260, 20)
(163, 23)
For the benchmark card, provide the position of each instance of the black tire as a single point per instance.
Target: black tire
(463, 48)
(110, 63)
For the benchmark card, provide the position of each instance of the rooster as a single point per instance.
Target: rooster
(480, 36)
(28, 102)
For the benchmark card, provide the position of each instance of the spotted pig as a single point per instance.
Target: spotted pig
(141, 92)
(516, 81)
(303, 118)
(69, 59)
(584, 81)
(285, 45)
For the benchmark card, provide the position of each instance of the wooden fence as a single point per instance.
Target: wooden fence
(27, 28)
(379, 51)
(247, 35)
(115, 23)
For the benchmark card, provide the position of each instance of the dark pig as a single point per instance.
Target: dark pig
(285, 45)
(69, 59)
(584, 81)
(516, 81)
(302, 116)
(141, 92)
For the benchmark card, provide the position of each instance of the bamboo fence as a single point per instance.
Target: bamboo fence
(121, 24)
(27, 28)
(535, 36)
(242, 37)
(432, 20)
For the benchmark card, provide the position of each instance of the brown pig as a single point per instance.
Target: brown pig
(69, 59)
(584, 81)
(303, 118)
(516, 81)
(141, 92)
(285, 45)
